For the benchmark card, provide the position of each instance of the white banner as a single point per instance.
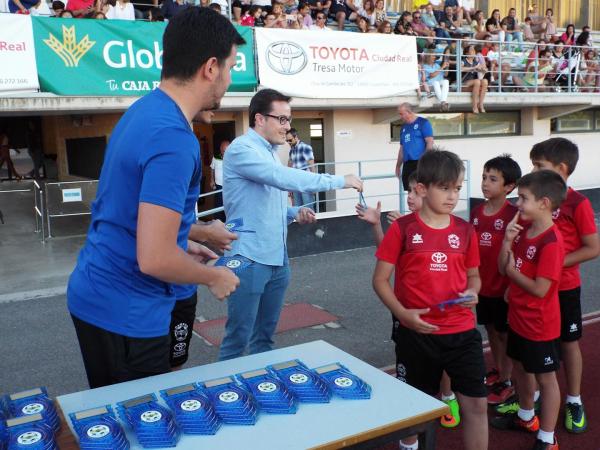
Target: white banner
(336, 64)
(18, 71)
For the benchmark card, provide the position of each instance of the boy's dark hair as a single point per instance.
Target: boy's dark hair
(215, 7)
(557, 150)
(545, 183)
(57, 4)
(262, 103)
(192, 37)
(439, 167)
(507, 166)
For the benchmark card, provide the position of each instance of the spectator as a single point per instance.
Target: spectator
(321, 22)
(5, 156)
(21, 6)
(379, 12)
(123, 10)
(80, 8)
(466, 10)
(171, 7)
(429, 19)
(534, 54)
(528, 35)
(419, 26)
(239, 8)
(470, 69)
(57, 7)
(590, 71)
(385, 27)
(249, 18)
(41, 8)
(301, 157)
(367, 10)
(264, 4)
(216, 182)
(156, 15)
(449, 56)
(549, 28)
(583, 39)
(434, 74)
(512, 28)
(216, 7)
(494, 26)
(142, 8)
(66, 14)
(422, 80)
(416, 137)
(277, 11)
(362, 25)
(318, 5)
(402, 23)
(450, 22)
(530, 81)
(341, 10)
(304, 17)
(479, 28)
(590, 41)
(568, 37)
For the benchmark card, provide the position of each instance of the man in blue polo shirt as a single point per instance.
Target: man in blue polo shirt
(416, 138)
(120, 294)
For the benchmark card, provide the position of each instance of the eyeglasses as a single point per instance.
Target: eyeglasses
(282, 119)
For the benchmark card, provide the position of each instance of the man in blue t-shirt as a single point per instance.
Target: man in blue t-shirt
(120, 294)
(416, 138)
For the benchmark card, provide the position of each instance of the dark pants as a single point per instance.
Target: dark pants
(219, 203)
(408, 167)
(111, 358)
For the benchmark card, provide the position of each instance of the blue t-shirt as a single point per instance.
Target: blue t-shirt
(413, 137)
(153, 157)
(185, 291)
(431, 68)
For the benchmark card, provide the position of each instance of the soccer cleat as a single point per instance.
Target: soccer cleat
(511, 405)
(575, 421)
(453, 419)
(514, 422)
(492, 377)
(500, 393)
(541, 445)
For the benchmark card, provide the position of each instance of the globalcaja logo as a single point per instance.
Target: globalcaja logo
(286, 58)
(69, 50)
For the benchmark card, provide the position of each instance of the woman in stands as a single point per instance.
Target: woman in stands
(367, 10)
(379, 12)
(478, 26)
(568, 37)
(470, 69)
(549, 26)
(362, 25)
(589, 72)
(434, 76)
(385, 27)
(494, 27)
(122, 9)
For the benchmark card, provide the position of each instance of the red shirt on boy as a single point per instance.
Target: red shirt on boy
(490, 234)
(574, 218)
(535, 318)
(431, 267)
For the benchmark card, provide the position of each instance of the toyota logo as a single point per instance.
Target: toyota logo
(486, 236)
(286, 58)
(439, 258)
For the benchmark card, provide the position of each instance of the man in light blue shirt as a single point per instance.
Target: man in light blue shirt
(255, 186)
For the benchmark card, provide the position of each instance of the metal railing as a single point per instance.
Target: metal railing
(54, 207)
(13, 191)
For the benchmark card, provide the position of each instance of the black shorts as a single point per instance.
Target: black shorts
(535, 356)
(421, 358)
(493, 311)
(180, 331)
(570, 315)
(111, 358)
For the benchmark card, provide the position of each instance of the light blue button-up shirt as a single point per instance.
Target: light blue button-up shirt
(255, 186)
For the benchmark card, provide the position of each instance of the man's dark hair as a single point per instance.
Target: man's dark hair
(253, 9)
(545, 183)
(262, 103)
(439, 167)
(557, 150)
(508, 167)
(192, 37)
(215, 7)
(293, 132)
(157, 15)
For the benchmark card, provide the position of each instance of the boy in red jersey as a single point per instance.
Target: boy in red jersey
(575, 220)
(489, 219)
(532, 258)
(435, 256)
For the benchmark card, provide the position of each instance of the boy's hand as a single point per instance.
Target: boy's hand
(306, 215)
(393, 216)
(469, 303)
(513, 229)
(411, 318)
(369, 215)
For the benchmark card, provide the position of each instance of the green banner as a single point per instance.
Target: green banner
(114, 57)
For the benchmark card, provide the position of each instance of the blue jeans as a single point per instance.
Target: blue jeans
(253, 310)
(304, 198)
(515, 36)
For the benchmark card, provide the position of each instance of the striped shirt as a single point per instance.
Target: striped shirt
(300, 155)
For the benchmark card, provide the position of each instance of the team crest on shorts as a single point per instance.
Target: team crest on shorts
(180, 331)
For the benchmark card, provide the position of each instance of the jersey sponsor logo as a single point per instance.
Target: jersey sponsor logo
(438, 262)
(499, 224)
(518, 264)
(531, 252)
(453, 241)
(407, 138)
(180, 347)
(417, 238)
(573, 328)
(486, 239)
(556, 214)
(475, 221)
(416, 127)
(180, 331)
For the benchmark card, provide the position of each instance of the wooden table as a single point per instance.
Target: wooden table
(395, 409)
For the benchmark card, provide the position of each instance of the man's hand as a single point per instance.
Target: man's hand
(369, 215)
(200, 253)
(306, 215)
(469, 303)
(513, 229)
(218, 236)
(411, 318)
(223, 283)
(352, 181)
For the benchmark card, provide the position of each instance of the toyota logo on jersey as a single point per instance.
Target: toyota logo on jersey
(439, 262)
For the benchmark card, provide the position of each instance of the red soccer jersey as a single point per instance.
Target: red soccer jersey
(490, 234)
(535, 318)
(574, 218)
(431, 267)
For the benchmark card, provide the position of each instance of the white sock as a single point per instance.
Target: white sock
(449, 397)
(526, 414)
(574, 399)
(546, 436)
(414, 446)
(536, 396)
